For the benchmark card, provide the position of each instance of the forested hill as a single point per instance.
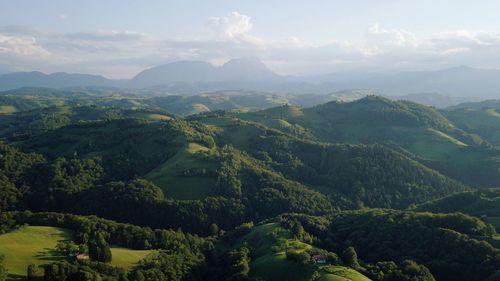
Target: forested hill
(422, 132)
(232, 176)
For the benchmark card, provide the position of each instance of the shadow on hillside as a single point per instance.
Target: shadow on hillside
(15, 277)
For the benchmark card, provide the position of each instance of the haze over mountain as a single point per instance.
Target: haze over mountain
(53, 80)
(242, 70)
(190, 77)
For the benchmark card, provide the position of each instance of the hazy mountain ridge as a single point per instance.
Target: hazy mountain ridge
(189, 77)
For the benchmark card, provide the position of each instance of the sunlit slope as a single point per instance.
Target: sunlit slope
(418, 130)
(372, 175)
(189, 174)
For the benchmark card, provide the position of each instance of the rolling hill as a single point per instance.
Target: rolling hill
(483, 121)
(271, 246)
(361, 174)
(420, 131)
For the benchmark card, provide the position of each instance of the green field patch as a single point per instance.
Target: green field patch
(198, 108)
(493, 112)
(128, 258)
(446, 136)
(340, 273)
(7, 109)
(151, 116)
(31, 245)
(186, 175)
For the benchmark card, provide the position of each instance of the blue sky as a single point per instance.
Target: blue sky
(119, 38)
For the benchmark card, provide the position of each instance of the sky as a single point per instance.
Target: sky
(119, 38)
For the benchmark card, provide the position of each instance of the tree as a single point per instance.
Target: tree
(99, 249)
(8, 192)
(214, 229)
(350, 257)
(3, 270)
(32, 272)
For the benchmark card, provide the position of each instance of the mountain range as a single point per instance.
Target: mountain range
(191, 77)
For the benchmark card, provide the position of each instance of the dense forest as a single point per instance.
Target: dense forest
(371, 189)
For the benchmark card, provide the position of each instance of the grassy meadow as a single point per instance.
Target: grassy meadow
(36, 245)
(31, 245)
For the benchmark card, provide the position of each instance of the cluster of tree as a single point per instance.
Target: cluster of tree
(99, 249)
(14, 169)
(89, 271)
(406, 271)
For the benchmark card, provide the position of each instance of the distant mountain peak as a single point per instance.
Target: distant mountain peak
(240, 69)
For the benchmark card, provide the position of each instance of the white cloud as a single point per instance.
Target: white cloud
(123, 53)
(231, 26)
(22, 47)
(235, 27)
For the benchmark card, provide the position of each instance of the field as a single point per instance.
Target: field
(31, 245)
(7, 109)
(171, 177)
(340, 273)
(36, 244)
(127, 258)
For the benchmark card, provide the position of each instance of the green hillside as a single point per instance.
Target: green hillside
(189, 174)
(34, 122)
(284, 193)
(479, 203)
(269, 244)
(360, 174)
(427, 238)
(484, 122)
(128, 147)
(423, 132)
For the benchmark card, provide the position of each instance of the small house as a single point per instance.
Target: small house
(82, 257)
(321, 259)
(78, 256)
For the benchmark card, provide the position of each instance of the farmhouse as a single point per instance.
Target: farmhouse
(79, 256)
(82, 257)
(321, 259)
